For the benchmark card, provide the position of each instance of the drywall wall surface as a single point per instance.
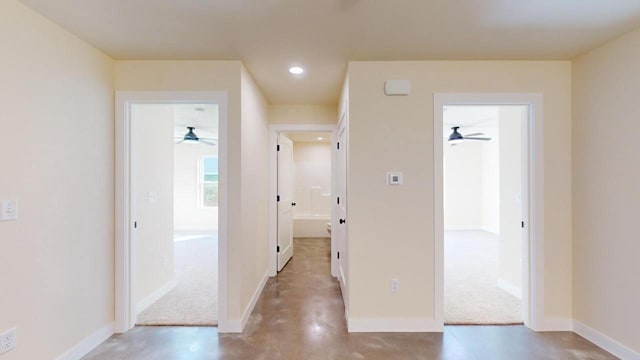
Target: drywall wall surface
(254, 188)
(57, 161)
(152, 169)
(605, 189)
(188, 214)
(303, 114)
(391, 227)
(491, 183)
(510, 154)
(312, 179)
(462, 181)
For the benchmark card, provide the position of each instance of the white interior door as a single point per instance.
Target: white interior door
(340, 229)
(285, 200)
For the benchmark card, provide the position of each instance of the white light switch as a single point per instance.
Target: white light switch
(394, 178)
(9, 210)
(152, 197)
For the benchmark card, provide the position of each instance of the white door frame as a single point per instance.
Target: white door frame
(273, 187)
(125, 307)
(533, 286)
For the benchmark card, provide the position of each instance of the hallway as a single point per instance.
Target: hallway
(300, 315)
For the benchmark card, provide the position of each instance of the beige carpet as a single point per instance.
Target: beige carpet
(471, 295)
(194, 300)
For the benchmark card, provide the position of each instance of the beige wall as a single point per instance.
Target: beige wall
(303, 114)
(187, 214)
(255, 188)
(606, 173)
(396, 133)
(56, 159)
(152, 155)
(510, 140)
(217, 76)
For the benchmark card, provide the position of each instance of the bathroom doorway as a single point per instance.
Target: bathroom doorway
(302, 174)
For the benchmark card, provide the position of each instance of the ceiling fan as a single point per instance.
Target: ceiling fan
(457, 138)
(191, 138)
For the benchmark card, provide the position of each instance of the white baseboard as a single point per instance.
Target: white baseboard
(510, 288)
(492, 230)
(455, 228)
(555, 324)
(237, 326)
(155, 296)
(89, 343)
(605, 341)
(495, 231)
(394, 325)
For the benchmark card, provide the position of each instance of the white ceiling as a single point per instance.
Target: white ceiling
(322, 35)
(309, 136)
(471, 119)
(203, 117)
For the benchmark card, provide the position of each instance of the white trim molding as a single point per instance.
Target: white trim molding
(155, 296)
(125, 306)
(273, 188)
(394, 325)
(510, 287)
(605, 342)
(89, 343)
(237, 326)
(533, 263)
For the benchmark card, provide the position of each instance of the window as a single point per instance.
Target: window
(208, 182)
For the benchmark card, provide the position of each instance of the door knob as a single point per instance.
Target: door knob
(293, 204)
(342, 221)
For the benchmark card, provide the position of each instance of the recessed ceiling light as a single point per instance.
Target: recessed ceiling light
(296, 70)
(320, 138)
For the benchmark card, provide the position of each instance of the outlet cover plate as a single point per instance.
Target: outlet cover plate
(8, 340)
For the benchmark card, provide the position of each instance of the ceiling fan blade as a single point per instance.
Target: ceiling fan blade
(474, 134)
(179, 142)
(209, 139)
(207, 142)
(477, 138)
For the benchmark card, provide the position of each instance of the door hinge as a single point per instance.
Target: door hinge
(338, 200)
(522, 224)
(278, 248)
(277, 147)
(338, 254)
(278, 198)
(338, 144)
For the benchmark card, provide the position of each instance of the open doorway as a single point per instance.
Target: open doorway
(304, 187)
(174, 152)
(484, 183)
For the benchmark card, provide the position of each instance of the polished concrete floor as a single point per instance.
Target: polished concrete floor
(300, 315)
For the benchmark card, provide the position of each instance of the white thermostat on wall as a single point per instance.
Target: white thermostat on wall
(394, 178)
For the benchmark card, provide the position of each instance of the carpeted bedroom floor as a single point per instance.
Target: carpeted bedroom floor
(194, 299)
(471, 294)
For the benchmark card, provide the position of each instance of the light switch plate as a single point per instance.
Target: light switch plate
(394, 178)
(152, 197)
(9, 210)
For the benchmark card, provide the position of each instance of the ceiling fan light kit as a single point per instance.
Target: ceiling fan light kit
(191, 138)
(457, 138)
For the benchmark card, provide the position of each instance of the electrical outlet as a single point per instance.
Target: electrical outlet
(9, 210)
(8, 340)
(395, 285)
